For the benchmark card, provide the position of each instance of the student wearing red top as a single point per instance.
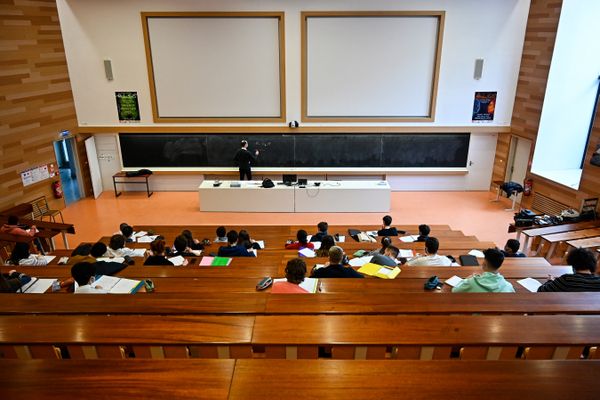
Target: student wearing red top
(301, 242)
(295, 271)
(12, 228)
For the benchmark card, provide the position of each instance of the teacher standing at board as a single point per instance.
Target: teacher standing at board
(244, 159)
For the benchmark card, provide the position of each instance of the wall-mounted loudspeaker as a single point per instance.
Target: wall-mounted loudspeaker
(478, 68)
(108, 70)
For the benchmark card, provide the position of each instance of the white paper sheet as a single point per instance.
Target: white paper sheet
(139, 234)
(106, 282)
(317, 245)
(409, 239)
(372, 233)
(341, 239)
(405, 253)
(177, 261)
(318, 266)
(477, 253)
(308, 237)
(261, 243)
(360, 261)
(119, 260)
(530, 284)
(138, 252)
(385, 271)
(306, 252)
(39, 286)
(147, 239)
(309, 284)
(49, 258)
(453, 281)
(196, 252)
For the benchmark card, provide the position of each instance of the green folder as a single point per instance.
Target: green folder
(221, 261)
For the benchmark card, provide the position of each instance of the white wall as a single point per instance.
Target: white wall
(94, 30)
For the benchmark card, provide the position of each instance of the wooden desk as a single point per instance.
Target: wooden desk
(556, 238)
(47, 226)
(587, 243)
(419, 380)
(114, 379)
(131, 180)
(548, 230)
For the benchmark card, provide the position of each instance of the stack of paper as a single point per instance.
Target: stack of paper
(311, 285)
(116, 285)
(379, 271)
(530, 284)
(409, 239)
(306, 252)
(360, 261)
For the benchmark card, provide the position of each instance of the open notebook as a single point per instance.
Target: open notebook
(116, 285)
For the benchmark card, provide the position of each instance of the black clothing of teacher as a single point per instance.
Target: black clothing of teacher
(244, 159)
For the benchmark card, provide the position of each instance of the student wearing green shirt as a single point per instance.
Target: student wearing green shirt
(490, 280)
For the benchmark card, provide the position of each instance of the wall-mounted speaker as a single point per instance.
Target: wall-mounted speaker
(108, 70)
(478, 68)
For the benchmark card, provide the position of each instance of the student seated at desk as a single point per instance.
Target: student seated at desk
(12, 282)
(245, 240)
(511, 249)
(127, 232)
(116, 247)
(233, 249)
(221, 235)
(334, 268)
(300, 243)
(327, 242)
(385, 242)
(82, 253)
(295, 272)
(431, 258)
(322, 231)
(105, 267)
(192, 243)
(583, 278)
(12, 227)
(84, 274)
(387, 229)
(181, 247)
(490, 280)
(388, 258)
(21, 256)
(424, 231)
(157, 257)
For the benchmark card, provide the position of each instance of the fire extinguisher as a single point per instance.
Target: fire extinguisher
(57, 190)
(527, 187)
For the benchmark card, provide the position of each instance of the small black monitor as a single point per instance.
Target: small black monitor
(290, 178)
(302, 181)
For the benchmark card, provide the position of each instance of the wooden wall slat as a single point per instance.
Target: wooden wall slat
(37, 101)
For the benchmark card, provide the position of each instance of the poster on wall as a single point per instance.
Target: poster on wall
(37, 174)
(128, 107)
(596, 157)
(484, 106)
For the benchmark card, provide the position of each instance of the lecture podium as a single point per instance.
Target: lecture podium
(315, 196)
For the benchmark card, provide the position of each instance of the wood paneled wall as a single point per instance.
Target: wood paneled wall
(36, 98)
(540, 37)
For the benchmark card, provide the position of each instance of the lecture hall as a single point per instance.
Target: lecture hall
(189, 190)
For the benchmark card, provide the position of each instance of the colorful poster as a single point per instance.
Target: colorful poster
(484, 106)
(128, 107)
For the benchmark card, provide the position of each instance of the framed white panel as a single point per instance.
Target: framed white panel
(371, 66)
(215, 66)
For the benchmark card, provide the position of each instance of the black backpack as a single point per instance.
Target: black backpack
(267, 183)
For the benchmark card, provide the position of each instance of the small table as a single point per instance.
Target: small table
(128, 179)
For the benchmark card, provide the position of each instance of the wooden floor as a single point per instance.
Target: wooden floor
(471, 212)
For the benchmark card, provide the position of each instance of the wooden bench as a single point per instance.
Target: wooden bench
(293, 379)
(557, 238)
(324, 303)
(506, 337)
(536, 233)
(119, 336)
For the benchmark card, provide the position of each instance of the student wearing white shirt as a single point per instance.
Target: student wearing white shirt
(431, 258)
(83, 273)
(116, 247)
